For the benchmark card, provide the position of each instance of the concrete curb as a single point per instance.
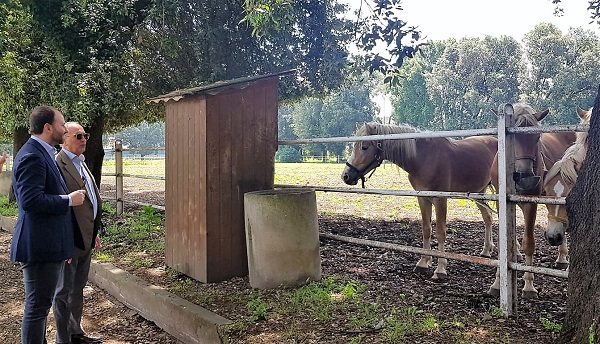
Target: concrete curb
(182, 319)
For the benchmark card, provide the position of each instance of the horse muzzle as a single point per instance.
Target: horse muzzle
(525, 181)
(555, 235)
(350, 177)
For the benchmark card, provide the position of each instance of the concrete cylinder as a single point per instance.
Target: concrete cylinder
(282, 237)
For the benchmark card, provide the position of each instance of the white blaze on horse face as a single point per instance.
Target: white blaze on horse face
(558, 188)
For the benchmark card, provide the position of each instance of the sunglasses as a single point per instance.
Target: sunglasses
(80, 136)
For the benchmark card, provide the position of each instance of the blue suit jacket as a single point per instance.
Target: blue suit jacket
(44, 231)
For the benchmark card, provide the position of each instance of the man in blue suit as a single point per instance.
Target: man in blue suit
(43, 236)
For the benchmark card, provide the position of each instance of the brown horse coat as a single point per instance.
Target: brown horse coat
(432, 164)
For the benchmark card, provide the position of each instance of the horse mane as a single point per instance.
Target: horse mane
(398, 151)
(524, 115)
(568, 165)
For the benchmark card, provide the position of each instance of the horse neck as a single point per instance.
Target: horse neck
(408, 154)
(551, 154)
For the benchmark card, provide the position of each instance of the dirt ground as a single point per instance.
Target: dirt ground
(388, 277)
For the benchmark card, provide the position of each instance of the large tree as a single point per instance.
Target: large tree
(98, 60)
(563, 70)
(70, 54)
(583, 208)
(471, 77)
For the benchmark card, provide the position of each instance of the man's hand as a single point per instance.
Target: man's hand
(98, 244)
(77, 197)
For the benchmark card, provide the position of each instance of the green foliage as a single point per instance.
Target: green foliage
(498, 312)
(288, 154)
(258, 308)
(8, 208)
(108, 209)
(333, 115)
(550, 325)
(564, 72)
(380, 25)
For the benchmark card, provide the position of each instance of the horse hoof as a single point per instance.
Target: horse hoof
(439, 277)
(486, 255)
(562, 266)
(529, 294)
(494, 292)
(421, 270)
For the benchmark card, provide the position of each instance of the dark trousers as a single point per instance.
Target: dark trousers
(68, 302)
(40, 284)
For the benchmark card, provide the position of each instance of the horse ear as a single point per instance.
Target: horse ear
(370, 128)
(581, 112)
(540, 115)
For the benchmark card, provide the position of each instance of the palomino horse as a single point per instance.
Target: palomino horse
(559, 181)
(534, 154)
(433, 164)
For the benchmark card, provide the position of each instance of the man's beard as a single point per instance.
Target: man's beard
(57, 138)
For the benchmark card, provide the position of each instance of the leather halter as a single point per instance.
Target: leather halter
(373, 164)
(517, 176)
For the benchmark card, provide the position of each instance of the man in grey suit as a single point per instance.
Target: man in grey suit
(43, 237)
(68, 301)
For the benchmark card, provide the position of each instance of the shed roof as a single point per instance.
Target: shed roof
(215, 88)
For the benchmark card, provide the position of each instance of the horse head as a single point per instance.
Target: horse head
(366, 156)
(560, 180)
(527, 174)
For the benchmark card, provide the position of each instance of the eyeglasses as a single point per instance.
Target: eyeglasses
(80, 136)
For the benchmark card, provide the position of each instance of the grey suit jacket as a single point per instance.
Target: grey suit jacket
(85, 226)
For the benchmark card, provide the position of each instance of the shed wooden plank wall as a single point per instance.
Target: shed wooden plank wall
(218, 147)
(186, 174)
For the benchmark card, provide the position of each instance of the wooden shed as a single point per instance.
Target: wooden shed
(221, 141)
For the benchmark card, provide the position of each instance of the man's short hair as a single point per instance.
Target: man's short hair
(40, 115)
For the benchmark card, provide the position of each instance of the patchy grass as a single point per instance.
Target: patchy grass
(7, 208)
(345, 306)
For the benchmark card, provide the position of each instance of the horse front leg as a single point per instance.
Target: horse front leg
(441, 208)
(424, 263)
(529, 214)
(563, 251)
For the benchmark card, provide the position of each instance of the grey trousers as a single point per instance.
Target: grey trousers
(68, 300)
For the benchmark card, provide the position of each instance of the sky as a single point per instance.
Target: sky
(442, 19)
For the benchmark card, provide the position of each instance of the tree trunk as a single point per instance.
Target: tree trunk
(583, 209)
(94, 152)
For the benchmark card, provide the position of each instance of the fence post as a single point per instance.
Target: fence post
(506, 213)
(119, 175)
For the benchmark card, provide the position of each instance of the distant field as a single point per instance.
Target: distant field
(388, 176)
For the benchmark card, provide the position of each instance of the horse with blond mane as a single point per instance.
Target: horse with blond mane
(559, 182)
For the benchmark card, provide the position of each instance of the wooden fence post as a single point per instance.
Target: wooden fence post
(506, 213)
(119, 175)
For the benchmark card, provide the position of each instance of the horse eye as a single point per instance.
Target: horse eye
(363, 147)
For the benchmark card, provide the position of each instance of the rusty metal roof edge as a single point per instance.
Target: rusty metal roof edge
(216, 87)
